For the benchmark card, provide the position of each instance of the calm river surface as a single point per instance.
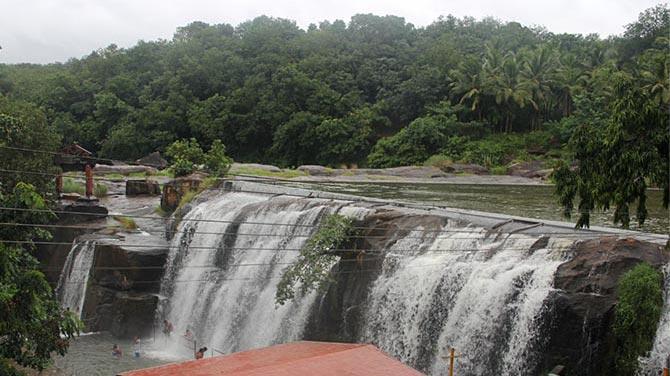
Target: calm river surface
(519, 200)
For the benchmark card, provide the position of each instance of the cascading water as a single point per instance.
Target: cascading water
(487, 294)
(71, 289)
(478, 293)
(221, 283)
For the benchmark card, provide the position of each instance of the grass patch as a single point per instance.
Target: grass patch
(498, 170)
(71, 186)
(100, 190)
(113, 176)
(142, 174)
(186, 198)
(125, 222)
(158, 210)
(254, 171)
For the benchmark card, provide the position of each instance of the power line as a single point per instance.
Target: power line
(279, 249)
(575, 232)
(217, 280)
(226, 233)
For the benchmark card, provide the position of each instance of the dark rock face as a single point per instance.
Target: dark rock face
(153, 160)
(142, 187)
(582, 308)
(175, 189)
(123, 286)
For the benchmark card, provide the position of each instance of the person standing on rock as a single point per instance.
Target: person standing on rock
(137, 347)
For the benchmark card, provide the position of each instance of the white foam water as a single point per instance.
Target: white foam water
(71, 289)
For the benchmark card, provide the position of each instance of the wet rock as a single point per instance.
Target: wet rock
(316, 170)
(468, 168)
(530, 169)
(123, 285)
(414, 172)
(142, 187)
(582, 308)
(175, 189)
(153, 160)
(82, 211)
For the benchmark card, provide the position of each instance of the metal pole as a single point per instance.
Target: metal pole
(451, 361)
(195, 350)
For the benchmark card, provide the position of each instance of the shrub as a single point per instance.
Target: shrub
(440, 161)
(188, 150)
(182, 167)
(312, 269)
(216, 160)
(498, 170)
(636, 317)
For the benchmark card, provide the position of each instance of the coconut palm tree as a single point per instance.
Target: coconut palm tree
(467, 83)
(569, 79)
(536, 78)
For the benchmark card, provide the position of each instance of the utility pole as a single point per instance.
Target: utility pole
(452, 359)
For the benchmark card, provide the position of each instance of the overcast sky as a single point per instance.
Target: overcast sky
(43, 31)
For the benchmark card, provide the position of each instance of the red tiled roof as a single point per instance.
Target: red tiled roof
(296, 358)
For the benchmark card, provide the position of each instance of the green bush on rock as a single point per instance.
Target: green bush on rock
(636, 317)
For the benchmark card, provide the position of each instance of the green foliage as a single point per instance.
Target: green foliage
(24, 125)
(72, 186)
(186, 150)
(32, 325)
(125, 222)
(182, 167)
(312, 269)
(374, 89)
(216, 160)
(187, 155)
(636, 317)
(620, 146)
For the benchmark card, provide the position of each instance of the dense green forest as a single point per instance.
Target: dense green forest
(375, 91)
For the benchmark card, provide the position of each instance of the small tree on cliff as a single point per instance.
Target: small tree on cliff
(32, 324)
(312, 270)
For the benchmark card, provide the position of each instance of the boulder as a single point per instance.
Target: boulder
(153, 160)
(316, 170)
(175, 189)
(468, 168)
(528, 169)
(142, 187)
(124, 169)
(582, 307)
(415, 172)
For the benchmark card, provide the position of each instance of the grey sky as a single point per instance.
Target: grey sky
(42, 31)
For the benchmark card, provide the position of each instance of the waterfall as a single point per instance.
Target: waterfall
(484, 293)
(222, 270)
(479, 293)
(661, 350)
(71, 289)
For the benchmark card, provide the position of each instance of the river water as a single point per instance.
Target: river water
(532, 201)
